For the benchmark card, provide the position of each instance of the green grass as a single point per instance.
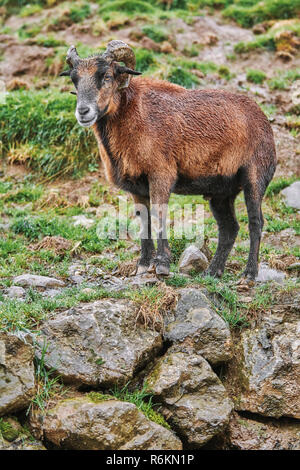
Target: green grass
(141, 398)
(48, 384)
(255, 76)
(278, 184)
(182, 77)
(156, 33)
(43, 133)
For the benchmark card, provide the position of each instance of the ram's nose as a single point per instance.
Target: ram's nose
(83, 111)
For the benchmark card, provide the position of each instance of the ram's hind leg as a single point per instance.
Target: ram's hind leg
(142, 210)
(224, 213)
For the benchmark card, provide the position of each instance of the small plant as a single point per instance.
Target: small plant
(156, 33)
(7, 431)
(182, 77)
(256, 76)
(47, 385)
(142, 399)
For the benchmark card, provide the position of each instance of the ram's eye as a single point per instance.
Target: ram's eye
(73, 93)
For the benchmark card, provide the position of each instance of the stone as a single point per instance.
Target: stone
(81, 424)
(33, 280)
(198, 325)
(15, 292)
(245, 433)
(194, 401)
(98, 343)
(266, 274)
(83, 221)
(192, 259)
(17, 386)
(264, 375)
(287, 236)
(14, 437)
(291, 195)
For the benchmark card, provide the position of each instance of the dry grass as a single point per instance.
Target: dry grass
(153, 304)
(57, 244)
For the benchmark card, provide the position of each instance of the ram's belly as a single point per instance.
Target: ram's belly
(210, 186)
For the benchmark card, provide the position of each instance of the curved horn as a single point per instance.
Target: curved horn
(120, 52)
(72, 56)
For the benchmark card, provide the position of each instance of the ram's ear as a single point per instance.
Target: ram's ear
(65, 73)
(122, 69)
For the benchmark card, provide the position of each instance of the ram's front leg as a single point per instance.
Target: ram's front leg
(160, 192)
(142, 210)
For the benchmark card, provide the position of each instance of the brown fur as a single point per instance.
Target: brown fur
(156, 138)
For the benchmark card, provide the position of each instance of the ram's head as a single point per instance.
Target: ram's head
(98, 78)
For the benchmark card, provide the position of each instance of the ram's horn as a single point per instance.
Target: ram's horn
(72, 57)
(119, 51)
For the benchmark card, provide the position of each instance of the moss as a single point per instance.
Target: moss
(97, 397)
(157, 418)
(7, 431)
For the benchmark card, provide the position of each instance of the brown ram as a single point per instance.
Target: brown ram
(156, 138)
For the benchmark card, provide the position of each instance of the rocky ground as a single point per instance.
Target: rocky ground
(92, 356)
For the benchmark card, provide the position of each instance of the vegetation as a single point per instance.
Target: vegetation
(141, 398)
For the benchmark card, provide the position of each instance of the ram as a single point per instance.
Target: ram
(156, 138)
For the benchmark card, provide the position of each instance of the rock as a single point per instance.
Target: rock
(15, 292)
(197, 325)
(83, 221)
(22, 443)
(246, 433)
(33, 280)
(291, 195)
(14, 437)
(287, 236)
(194, 401)
(264, 375)
(82, 424)
(17, 386)
(266, 274)
(98, 343)
(192, 259)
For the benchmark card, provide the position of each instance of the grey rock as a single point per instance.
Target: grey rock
(33, 280)
(266, 274)
(98, 343)
(197, 324)
(194, 401)
(83, 221)
(265, 373)
(192, 259)
(82, 424)
(291, 195)
(14, 437)
(245, 433)
(15, 292)
(17, 386)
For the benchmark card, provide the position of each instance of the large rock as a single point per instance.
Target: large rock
(245, 433)
(291, 195)
(82, 424)
(192, 259)
(266, 274)
(194, 401)
(17, 386)
(265, 373)
(98, 343)
(197, 324)
(33, 280)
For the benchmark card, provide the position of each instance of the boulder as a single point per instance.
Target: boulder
(17, 386)
(82, 424)
(98, 343)
(33, 280)
(252, 433)
(264, 375)
(15, 292)
(197, 324)
(266, 274)
(291, 195)
(193, 399)
(192, 259)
